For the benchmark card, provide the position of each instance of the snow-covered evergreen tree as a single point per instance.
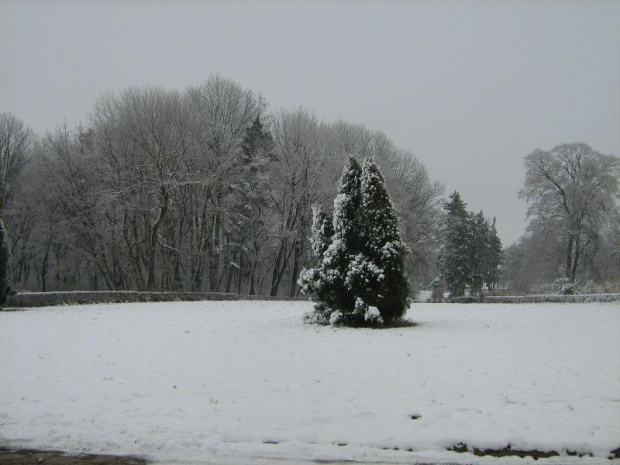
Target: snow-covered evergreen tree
(346, 243)
(454, 259)
(322, 231)
(361, 278)
(378, 274)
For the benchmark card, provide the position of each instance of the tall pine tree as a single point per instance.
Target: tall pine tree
(494, 257)
(455, 261)
(385, 284)
(250, 193)
(347, 241)
(478, 251)
(471, 252)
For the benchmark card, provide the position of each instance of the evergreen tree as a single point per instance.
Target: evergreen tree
(361, 278)
(455, 258)
(250, 193)
(379, 272)
(472, 251)
(322, 231)
(346, 243)
(478, 251)
(493, 257)
(257, 146)
(5, 257)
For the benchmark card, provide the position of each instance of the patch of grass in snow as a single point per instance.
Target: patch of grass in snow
(508, 451)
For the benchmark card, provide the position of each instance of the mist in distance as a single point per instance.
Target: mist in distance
(471, 88)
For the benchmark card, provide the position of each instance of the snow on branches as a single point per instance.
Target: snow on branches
(359, 277)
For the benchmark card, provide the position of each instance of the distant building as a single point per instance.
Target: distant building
(438, 287)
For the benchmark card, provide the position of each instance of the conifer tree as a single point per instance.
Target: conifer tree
(347, 241)
(494, 257)
(322, 231)
(478, 251)
(455, 256)
(250, 193)
(256, 147)
(363, 266)
(5, 257)
(381, 265)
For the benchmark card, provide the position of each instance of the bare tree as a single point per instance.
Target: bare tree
(222, 112)
(15, 145)
(195, 190)
(571, 186)
(298, 182)
(143, 145)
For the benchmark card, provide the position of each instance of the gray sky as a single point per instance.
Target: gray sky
(471, 86)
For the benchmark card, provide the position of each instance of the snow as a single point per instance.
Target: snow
(224, 382)
(373, 315)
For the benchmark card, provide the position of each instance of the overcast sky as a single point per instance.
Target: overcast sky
(469, 87)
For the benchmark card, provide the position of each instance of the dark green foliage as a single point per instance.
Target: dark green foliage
(387, 286)
(472, 251)
(5, 257)
(455, 261)
(347, 241)
(494, 257)
(363, 265)
(248, 200)
(478, 251)
(257, 146)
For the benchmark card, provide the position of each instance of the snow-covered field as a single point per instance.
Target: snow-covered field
(237, 382)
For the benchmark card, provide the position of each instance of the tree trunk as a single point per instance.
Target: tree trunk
(253, 278)
(198, 271)
(150, 279)
(295, 272)
(275, 277)
(214, 254)
(231, 272)
(569, 257)
(240, 274)
(43, 274)
(133, 256)
(573, 271)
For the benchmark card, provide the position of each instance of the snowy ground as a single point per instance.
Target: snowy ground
(237, 382)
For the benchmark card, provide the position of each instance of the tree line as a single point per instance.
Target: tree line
(209, 189)
(205, 189)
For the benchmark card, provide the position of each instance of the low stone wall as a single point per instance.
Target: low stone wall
(545, 298)
(46, 299)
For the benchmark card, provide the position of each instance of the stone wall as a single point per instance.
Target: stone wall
(46, 299)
